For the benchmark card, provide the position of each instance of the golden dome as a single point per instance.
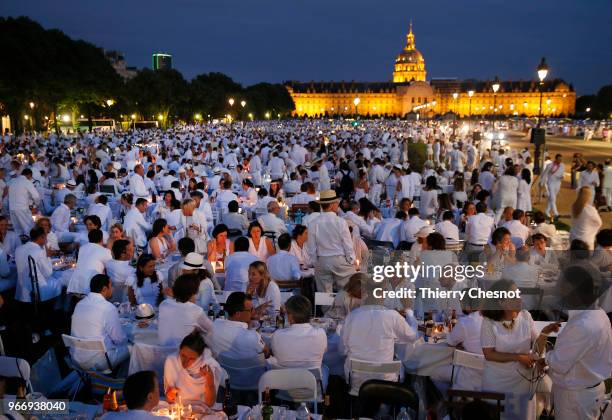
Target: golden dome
(409, 64)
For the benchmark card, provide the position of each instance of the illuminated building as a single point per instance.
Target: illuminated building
(162, 61)
(410, 92)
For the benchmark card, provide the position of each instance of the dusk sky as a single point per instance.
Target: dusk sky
(278, 40)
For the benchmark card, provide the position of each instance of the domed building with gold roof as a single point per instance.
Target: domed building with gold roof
(410, 92)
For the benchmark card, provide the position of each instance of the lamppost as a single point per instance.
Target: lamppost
(470, 94)
(356, 102)
(32, 104)
(542, 70)
(231, 101)
(455, 96)
(495, 87)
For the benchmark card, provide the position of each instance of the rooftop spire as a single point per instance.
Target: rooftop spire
(410, 39)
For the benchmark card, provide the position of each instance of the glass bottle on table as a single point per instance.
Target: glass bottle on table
(211, 312)
(266, 410)
(302, 412)
(327, 415)
(229, 405)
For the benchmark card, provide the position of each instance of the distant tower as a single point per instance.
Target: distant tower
(409, 64)
(162, 61)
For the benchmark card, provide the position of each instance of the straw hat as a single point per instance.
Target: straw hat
(328, 197)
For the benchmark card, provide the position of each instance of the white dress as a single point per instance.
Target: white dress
(586, 225)
(428, 204)
(507, 192)
(359, 193)
(260, 252)
(505, 377)
(524, 196)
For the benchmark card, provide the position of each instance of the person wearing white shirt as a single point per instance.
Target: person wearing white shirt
(95, 317)
(589, 178)
(232, 337)
(49, 285)
(60, 219)
(141, 395)
(135, 225)
(542, 227)
(224, 196)
(138, 187)
(192, 224)
(582, 357)
(371, 331)
(192, 372)
(91, 261)
(447, 228)
(330, 242)
(524, 275)
(553, 175)
(148, 284)
(353, 216)
(284, 266)
(233, 219)
(9, 240)
(179, 315)
(586, 221)
(300, 345)
(270, 222)
(388, 230)
(237, 266)
(22, 194)
(410, 227)
(276, 167)
(120, 270)
(607, 181)
(264, 291)
(467, 333)
(517, 227)
(539, 254)
(101, 209)
(479, 228)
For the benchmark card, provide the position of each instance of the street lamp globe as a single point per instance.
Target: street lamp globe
(160, 117)
(133, 116)
(495, 85)
(588, 110)
(110, 102)
(231, 101)
(470, 93)
(455, 95)
(66, 118)
(542, 69)
(243, 103)
(31, 105)
(356, 101)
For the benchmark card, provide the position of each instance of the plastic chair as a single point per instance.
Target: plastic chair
(323, 299)
(244, 374)
(13, 367)
(375, 392)
(466, 359)
(88, 344)
(290, 379)
(363, 370)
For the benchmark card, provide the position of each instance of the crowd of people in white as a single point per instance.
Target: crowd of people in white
(167, 218)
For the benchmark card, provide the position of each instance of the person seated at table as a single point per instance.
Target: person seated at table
(115, 233)
(237, 266)
(524, 273)
(91, 261)
(466, 334)
(135, 224)
(419, 245)
(539, 254)
(371, 331)
(388, 230)
(447, 228)
(195, 264)
(249, 194)
(233, 219)
(141, 396)
(192, 372)
(95, 317)
(506, 216)
(271, 221)
(284, 266)
(348, 298)
(164, 207)
(179, 315)
(298, 246)
(185, 247)
(501, 251)
(232, 337)
(300, 345)
(148, 284)
(219, 247)
(510, 343)
(161, 243)
(259, 245)
(52, 245)
(60, 218)
(517, 226)
(9, 240)
(542, 227)
(101, 209)
(581, 360)
(91, 222)
(120, 269)
(410, 227)
(264, 291)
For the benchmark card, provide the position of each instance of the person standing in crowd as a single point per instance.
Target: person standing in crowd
(22, 196)
(553, 175)
(586, 221)
(329, 241)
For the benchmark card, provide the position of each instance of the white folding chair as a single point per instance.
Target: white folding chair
(323, 299)
(88, 344)
(244, 374)
(290, 379)
(363, 370)
(13, 367)
(468, 360)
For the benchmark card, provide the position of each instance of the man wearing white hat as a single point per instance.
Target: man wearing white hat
(330, 242)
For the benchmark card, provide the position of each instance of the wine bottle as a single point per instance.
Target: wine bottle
(229, 406)
(266, 409)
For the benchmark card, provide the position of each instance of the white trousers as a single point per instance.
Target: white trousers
(553, 190)
(332, 271)
(607, 193)
(22, 221)
(577, 404)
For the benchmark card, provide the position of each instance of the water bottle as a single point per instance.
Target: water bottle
(298, 217)
(302, 413)
(403, 414)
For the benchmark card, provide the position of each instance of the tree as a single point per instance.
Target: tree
(209, 94)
